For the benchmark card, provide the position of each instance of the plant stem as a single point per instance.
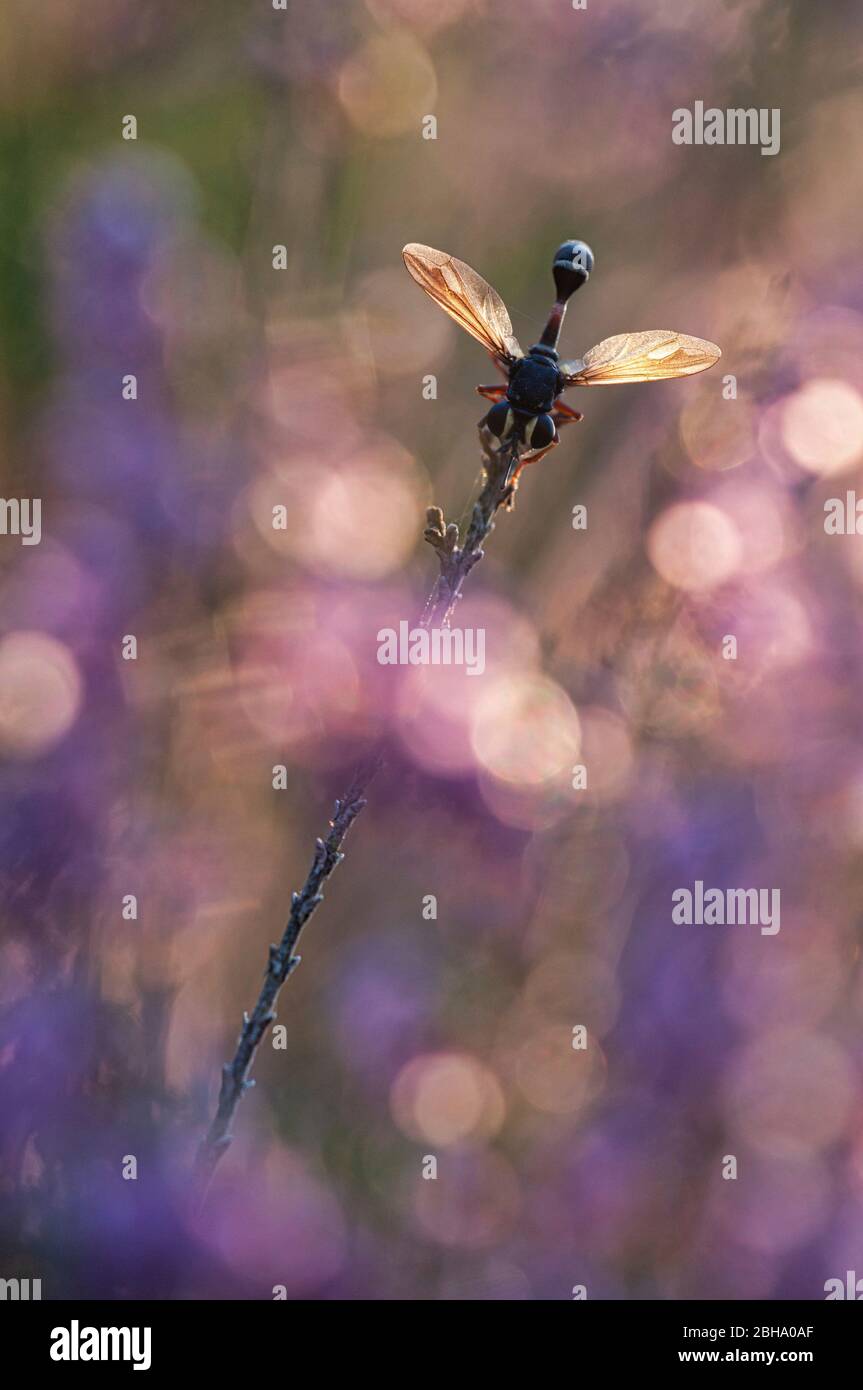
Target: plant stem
(456, 563)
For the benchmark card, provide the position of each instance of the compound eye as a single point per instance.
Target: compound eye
(541, 432)
(499, 419)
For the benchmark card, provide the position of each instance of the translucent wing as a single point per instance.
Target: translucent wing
(466, 297)
(648, 356)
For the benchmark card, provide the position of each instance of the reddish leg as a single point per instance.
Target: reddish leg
(533, 457)
(561, 415)
(538, 454)
(564, 414)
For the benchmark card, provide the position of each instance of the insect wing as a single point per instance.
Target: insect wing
(650, 356)
(466, 297)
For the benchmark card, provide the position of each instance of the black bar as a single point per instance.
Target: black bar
(250, 1338)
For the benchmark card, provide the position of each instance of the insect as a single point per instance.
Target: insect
(527, 410)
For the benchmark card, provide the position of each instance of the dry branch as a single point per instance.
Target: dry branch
(456, 563)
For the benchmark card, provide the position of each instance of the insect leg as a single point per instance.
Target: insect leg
(564, 414)
(534, 457)
(492, 393)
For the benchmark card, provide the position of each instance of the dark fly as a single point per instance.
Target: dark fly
(528, 407)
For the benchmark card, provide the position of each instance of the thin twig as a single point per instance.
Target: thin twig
(456, 563)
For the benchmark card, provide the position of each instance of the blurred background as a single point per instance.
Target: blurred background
(408, 1036)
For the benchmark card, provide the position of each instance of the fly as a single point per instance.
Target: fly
(528, 409)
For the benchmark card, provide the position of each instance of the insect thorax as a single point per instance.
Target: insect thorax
(534, 383)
